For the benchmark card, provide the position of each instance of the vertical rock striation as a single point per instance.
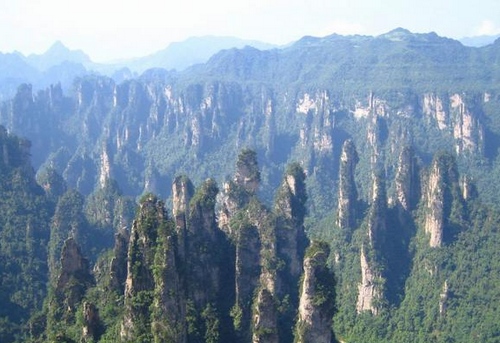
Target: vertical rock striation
(317, 298)
(443, 198)
(152, 277)
(370, 290)
(348, 195)
(407, 180)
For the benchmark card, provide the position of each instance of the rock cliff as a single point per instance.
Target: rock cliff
(442, 195)
(317, 295)
(372, 256)
(407, 180)
(347, 208)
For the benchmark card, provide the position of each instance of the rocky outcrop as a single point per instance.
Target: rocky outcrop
(247, 173)
(407, 180)
(467, 130)
(456, 118)
(247, 273)
(375, 138)
(92, 326)
(168, 311)
(368, 291)
(237, 194)
(269, 248)
(443, 299)
(443, 198)
(151, 258)
(202, 276)
(377, 221)
(265, 325)
(290, 207)
(118, 266)
(347, 208)
(182, 192)
(435, 193)
(74, 277)
(434, 107)
(317, 130)
(173, 285)
(317, 298)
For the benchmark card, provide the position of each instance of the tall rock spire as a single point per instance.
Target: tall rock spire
(369, 289)
(348, 195)
(407, 180)
(317, 297)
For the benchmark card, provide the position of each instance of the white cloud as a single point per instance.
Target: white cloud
(487, 28)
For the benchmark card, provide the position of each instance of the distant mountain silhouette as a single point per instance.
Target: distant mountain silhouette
(57, 54)
(194, 50)
(479, 41)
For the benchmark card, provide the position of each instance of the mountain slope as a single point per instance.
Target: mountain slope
(479, 41)
(194, 50)
(57, 54)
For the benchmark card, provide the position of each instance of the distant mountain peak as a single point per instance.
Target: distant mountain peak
(398, 34)
(401, 31)
(57, 46)
(57, 53)
(59, 49)
(404, 35)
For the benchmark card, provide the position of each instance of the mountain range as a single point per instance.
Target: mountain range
(60, 64)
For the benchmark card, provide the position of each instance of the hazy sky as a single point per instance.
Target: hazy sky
(114, 29)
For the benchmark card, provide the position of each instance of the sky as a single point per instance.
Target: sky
(118, 29)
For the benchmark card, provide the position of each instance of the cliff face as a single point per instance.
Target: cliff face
(189, 280)
(370, 290)
(269, 248)
(441, 196)
(118, 131)
(407, 180)
(290, 206)
(182, 192)
(348, 195)
(454, 116)
(434, 221)
(316, 306)
(204, 263)
(73, 280)
(149, 226)
(118, 265)
(73, 265)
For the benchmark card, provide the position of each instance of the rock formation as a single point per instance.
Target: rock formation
(348, 195)
(92, 326)
(290, 207)
(74, 277)
(317, 298)
(370, 290)
(118, 266)
(442, 194)
(407, 180)
(151, 270)
(182, 192)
